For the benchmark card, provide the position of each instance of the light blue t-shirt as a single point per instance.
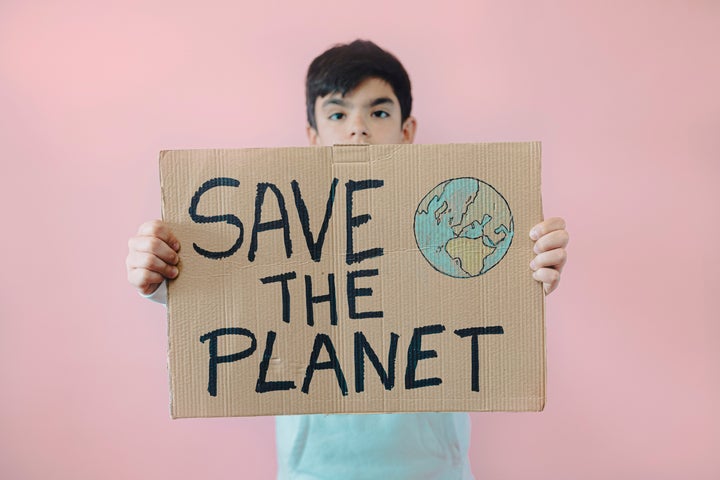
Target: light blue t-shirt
(394, 446)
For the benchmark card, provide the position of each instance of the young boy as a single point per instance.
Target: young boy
(356, 93)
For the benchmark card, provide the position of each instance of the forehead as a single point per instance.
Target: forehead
(366, 91)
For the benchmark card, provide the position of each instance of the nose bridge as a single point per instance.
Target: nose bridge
(358, 124)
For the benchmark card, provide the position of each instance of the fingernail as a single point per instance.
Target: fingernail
(176, 246)
(173, 272)
(534, 234)
(532, 265)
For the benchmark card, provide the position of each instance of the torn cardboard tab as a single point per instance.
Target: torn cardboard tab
(354, 279)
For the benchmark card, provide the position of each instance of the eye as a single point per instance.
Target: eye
(337, 116)
(380, 114)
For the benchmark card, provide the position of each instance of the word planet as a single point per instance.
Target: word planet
(463, 227)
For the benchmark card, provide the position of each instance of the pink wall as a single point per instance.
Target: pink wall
(624, 96)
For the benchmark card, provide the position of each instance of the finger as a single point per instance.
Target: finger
(547, 226)
(144, 280)
(552, 259)
(160, 229)
(150, 262)
(154, 246)
(551, 241)
(549, 277)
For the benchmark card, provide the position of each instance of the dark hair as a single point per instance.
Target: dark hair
(343, 67)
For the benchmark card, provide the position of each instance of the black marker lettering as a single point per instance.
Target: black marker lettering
(285, 291)
(230, 219)
(263, 385)
(362, 346)
(259, 226)
(416, 353)
(352, 222)
(330, 297)
(314, 247)
(215, 359)
(353, 293)
(474, 332)
(323, 340)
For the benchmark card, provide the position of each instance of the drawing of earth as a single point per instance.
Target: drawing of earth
(463, 227)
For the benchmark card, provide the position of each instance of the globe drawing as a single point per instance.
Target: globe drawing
(463, 227)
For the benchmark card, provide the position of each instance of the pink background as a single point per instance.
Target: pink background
(624, 96)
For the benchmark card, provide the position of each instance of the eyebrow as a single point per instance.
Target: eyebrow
(381, 101)
(341, 103)
(334, 101)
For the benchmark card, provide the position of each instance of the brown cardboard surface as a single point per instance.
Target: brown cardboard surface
(466, 322)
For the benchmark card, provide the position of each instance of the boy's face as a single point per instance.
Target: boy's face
(368, 114)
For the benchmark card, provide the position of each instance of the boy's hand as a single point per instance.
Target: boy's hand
(551, 238)
(152, 256)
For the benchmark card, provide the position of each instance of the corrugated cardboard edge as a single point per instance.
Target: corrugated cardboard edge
(543, 400)
(161, 159)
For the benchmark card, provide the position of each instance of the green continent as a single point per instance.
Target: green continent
(470, 251)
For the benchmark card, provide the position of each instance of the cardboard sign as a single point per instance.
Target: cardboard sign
(354, 278)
